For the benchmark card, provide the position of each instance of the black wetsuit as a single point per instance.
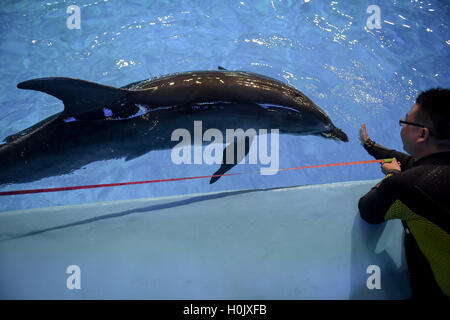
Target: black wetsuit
(420, 197)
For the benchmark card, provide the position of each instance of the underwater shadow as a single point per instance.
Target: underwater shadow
(148, 209)
(394, 279)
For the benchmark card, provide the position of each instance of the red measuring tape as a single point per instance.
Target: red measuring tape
(17, 192)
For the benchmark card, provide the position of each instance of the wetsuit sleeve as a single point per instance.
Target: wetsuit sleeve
(376, 203)
(380, 152)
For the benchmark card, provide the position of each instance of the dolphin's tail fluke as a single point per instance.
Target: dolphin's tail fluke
(79, 96)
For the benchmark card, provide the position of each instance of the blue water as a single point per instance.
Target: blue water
(323, 48)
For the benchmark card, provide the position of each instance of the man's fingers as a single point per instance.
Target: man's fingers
(364, 132)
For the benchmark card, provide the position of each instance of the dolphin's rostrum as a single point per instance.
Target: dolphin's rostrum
(101, 122)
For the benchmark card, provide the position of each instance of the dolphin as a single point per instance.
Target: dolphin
(101, 122)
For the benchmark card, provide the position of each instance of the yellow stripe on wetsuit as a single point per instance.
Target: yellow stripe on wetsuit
(432, 240)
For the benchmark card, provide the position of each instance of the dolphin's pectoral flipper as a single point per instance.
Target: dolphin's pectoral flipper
(238, 156)
(79, 96)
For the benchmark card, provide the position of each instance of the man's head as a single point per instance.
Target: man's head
(432, 111)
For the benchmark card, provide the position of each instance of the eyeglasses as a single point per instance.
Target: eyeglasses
(402, 122)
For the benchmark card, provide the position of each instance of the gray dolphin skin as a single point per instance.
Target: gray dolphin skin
(101, 122)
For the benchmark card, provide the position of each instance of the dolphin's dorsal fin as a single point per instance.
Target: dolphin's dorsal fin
(79, 96)
(221, 68)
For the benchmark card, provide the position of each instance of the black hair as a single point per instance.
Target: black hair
(435, 103)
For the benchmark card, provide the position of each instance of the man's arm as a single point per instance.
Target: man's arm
(380, 152)
(374, 205)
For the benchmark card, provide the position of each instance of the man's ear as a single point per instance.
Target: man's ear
(424, 133)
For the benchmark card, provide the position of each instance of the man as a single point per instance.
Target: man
(416, 190)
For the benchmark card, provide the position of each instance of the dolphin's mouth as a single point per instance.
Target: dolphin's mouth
(339, 134)
(327, 134)
(335, 133)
